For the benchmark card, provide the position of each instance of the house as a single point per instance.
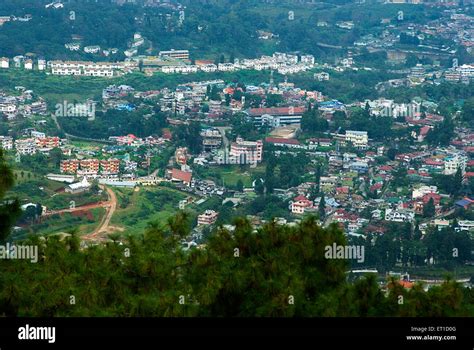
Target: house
(300, 204)
(29, 64)
(78, 187)
(6, 142)
(323, 76)
(73, 46)
(92, 49)
(282, 142)
(399, 215)
(466, 225)
(180, 176)
(209, 217)
(26, 146)
(464, 203)
(41, 64)
(4, 62)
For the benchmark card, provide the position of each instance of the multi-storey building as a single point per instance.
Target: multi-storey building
(209, 217)
(466, 70)
(177, 54)
(300, 204)
(69, 166)
(6, 142)
(47, 142)
(26, 146)
(211, 139)
(89, 167)
(249, 152)
(359, 139)
(181, 155)
(84, 68)
(277, 116)
(455, 162)
(110, 166)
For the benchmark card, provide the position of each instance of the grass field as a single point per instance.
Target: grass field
(231, 174)
(136, 209)
(43, 191)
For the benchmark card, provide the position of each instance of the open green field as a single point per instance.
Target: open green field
(136, 209)
(44, 191)
(231, 174)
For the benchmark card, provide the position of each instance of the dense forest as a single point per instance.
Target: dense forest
(273, 271)
(208, 29)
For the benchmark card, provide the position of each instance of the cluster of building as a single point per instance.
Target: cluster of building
(38, 142)
(282, 62)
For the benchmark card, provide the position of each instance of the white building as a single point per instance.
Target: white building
(92, 49)
(226, 67)
(399, 215)
(29, 64)
(452, 163)
(466, 70)
(307, 59)
(251, 151)
(99, 69)
(466, 225)
(78, 187)
(423, 190)
(6, 142)
(209, 68)
(359, 139)
(73, 46)
(323, 76)
(41, 64)
(4, 62)
(26, 146)
(7, 108)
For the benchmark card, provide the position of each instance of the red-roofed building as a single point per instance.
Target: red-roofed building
(386, 168)
(469, 149)
(376, 187)
(436, 198)
(404, 284)
(180, 176)
(300, 203)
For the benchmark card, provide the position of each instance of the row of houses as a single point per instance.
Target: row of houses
(90, 166)
(31, 145)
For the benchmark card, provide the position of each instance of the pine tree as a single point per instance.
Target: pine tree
(10, 211)
(322, 208)
(457, 182)
(429, 209)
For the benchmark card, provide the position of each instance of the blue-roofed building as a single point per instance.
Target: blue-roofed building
(126, 107)
(333, 105)
(464, 203)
